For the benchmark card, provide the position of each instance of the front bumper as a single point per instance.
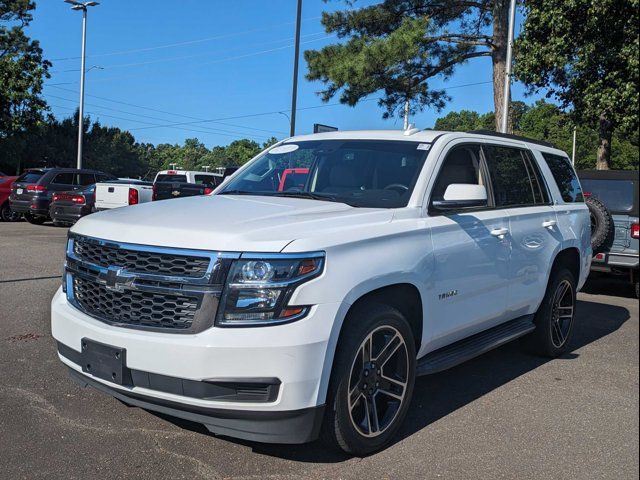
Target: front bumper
(293, 353)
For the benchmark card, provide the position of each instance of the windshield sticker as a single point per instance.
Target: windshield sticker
(424, 146)
(284, 149)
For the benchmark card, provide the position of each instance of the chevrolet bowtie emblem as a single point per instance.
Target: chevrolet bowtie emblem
(175, 193)
(115, 279)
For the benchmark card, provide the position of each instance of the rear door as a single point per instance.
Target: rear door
(533, 225)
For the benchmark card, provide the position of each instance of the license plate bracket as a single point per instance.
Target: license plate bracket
(105, 361)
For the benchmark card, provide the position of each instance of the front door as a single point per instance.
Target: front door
(472, 249)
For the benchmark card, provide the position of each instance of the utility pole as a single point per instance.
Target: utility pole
(83, 7)
(294, 91)
(406, 115)
(573, 149)
(507, 76)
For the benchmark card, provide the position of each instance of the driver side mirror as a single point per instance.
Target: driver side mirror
(462, 195)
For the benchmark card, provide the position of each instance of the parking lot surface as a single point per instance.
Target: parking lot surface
(503, 415)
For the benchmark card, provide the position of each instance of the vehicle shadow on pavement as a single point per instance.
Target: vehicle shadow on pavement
(436, 396)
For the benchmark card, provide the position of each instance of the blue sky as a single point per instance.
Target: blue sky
(190, 60)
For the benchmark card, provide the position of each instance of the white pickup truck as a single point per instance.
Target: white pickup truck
(283, 314)
(122, 192)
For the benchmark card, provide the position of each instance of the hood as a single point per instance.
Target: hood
(227, 222)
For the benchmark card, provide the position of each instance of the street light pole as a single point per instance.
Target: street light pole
(507, 76)
(294, 91)
(83, 7)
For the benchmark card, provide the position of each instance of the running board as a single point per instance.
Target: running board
(468, 348)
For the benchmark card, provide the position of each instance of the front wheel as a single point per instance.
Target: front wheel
(372, 380)
(554, 318)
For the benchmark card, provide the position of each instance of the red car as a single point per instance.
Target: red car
(293, 178)
(5, 190)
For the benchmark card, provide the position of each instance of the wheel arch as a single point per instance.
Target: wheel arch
(405, 296)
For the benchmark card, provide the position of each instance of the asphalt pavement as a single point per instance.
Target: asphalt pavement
(506, 414)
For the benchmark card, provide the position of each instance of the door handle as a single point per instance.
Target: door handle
(549, 224)
(499, 232)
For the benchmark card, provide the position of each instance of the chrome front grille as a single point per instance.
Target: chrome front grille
(141, 261)
(145, 287)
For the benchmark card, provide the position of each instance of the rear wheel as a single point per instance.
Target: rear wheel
(554, 318)
(35, 219)
(7, 215)
(372, 380)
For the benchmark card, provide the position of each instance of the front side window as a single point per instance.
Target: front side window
(361, 173)
(510, 179)
(565, 177)
(461, 165)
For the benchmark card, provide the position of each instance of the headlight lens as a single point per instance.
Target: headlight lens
(258, 289)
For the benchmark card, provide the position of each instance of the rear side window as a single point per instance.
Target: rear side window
(86, 179)
(30, 177)
(510, 172)
(171, 178)
(565, 177)
(63, 179)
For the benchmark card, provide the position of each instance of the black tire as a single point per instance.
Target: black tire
(554, 330)
(35, 219)
(339, 430)
(601, 224)
(6, 215)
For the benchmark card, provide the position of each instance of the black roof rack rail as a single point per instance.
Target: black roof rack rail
(513, 137)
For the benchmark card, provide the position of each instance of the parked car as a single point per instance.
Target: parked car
(121, 193)
(6, 214)
(613, 200)
(67, 208)
(293, 179)
(279, 316)
(33, 191)
(184, 183)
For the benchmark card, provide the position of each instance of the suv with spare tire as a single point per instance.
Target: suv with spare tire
(612, 198)
(284, 314)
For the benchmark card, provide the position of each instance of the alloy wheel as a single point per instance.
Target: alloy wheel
(378, 381)
(562, 313)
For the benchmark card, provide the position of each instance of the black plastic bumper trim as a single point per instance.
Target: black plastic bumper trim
(287, 427)
(253, 390)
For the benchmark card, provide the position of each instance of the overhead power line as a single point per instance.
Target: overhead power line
(195, 55)
(210, 132)
(179, 44)
(119, 102)
(195, 122)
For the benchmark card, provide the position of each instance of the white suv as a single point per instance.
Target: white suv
(281, 315)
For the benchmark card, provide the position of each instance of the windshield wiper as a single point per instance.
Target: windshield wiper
(309, 195)
(237, 192)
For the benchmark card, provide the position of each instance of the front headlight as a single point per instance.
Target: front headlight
(259, 287)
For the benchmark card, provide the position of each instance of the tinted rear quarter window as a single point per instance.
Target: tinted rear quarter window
(30, 177)
(86, 178)
(565, 177)
(509, 176)
(63, 179)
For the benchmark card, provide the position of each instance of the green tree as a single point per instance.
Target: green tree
(585, 54)
(398, 46)
(22, 69)
(465, 121)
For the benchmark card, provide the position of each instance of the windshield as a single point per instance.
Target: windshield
(361, 173)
